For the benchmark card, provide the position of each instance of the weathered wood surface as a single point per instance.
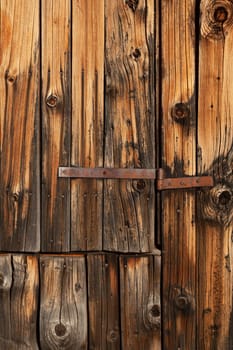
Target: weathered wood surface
(103, 301)
(87, 121)
(19, 126)
(56, 116)
(19, 282)
(63, 306)
(178, 158)
(215, 156)
(129, 124)
(140, 302)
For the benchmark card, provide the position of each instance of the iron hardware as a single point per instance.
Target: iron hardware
(162, 182)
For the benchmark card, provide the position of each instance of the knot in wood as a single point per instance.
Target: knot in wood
(180, 112)
(153, 319)
(217, 18)
(133, 4)
(183, 302)
(155, 311)
(139, 185)
(224, 198)
(60, 330)
(217, 204)
(113, 336)
(220, 14)
(11, 79)
(51, 101)
(136, 54)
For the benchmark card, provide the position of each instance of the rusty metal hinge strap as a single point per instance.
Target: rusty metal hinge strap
(162, 183)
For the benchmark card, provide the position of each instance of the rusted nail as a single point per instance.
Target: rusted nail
(60, 330)
(220, 14)
(51, 101)
(180, 112)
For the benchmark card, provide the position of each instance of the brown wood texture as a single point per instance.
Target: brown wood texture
(129, 124)
(19, 126)
(87, 121)
(56, 116)
(215, 156)
(178, 158)
(63, 304)
(140, 302)
(19, 282)
(103, 302)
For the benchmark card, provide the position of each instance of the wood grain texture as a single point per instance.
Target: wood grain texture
(103, 302)
(87, 121)
(129, 124)
(56, 105)
(19, 282)
(19, 126)
(215, 135)
(157, 53)
(178, 158)
(140, 302)
(63, 304)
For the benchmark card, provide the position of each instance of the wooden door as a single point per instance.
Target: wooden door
(113, 263)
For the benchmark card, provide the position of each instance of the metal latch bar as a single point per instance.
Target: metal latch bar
(107, 173)
(162, 183)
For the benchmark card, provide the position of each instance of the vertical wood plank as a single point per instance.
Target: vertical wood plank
(87, 121)
(129, 124)
(56, 104)
(63, 312)
(178, 158)
(19, 283)
(140, 302)
(215, 157)
(103, 302)
(19, 126)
